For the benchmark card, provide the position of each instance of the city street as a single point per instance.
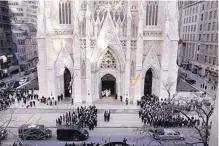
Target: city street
(123, 124)
(17, 77)
(200, 81)
(132, 135)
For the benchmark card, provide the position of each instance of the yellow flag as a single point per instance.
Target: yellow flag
(137, 77)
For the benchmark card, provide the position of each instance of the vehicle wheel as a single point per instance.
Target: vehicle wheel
(181, 138)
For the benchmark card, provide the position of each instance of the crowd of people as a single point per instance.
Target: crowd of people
(9, 97)
(153, 112)
(5, 99)
(19, 144)
(83, 117)
(82, 144)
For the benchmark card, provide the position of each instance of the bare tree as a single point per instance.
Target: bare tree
(168, 85)
(204, 109)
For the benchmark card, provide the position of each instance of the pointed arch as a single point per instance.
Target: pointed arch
(151, 62)
(107, 37)
(63, 61)
(113, 55)
(148, 77)
(108, 61)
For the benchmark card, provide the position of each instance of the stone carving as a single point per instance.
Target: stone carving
(82, 43)
(123, 43)
(63, 60)
(133, 43)
(152, 34)
(108, 77)
(92, 43)
(107, 37)
(152, 44)
(108, 61)
(64, 32)
(151, 61)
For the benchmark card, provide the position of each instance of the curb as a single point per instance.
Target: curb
(94, 128)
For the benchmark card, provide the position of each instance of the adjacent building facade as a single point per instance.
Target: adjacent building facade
(23, 12)
(24, 21)
(129, 47)
(199, 32)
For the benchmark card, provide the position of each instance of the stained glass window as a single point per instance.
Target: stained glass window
(108, 61)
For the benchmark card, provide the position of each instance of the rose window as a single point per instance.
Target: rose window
(108, 61)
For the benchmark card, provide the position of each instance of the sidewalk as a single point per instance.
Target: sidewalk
(200, 81)
(49, 120)
(69, 106)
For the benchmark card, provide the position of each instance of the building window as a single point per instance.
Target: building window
(202, 17)
(193, 37)
(216, 38)
(195, 18)
(215, 14)
(65, 12)
(210, 15)
(206, 15)
(194, 27)
(205, 58)
(151, 13)
(200, 37)
(214, 60)
(200, 27)
(108, 61)
(189, 19)
(207, 37)
(203, 7)
(197, 57)
(213, 25)
(196, 9)
(209, 26)
(212, 37)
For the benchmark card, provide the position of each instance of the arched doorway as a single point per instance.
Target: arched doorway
(109, 83)
(67, 79)
(148, 82)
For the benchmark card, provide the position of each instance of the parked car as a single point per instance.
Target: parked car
(3, 133)
(74, 133)
(24, 80)
(191, 81)
(34, 132)
(13, 84)
(27, 72)
(167, 134)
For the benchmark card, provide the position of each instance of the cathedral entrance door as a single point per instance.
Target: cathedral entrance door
(67, 80)
(148, 82)
(108, 85)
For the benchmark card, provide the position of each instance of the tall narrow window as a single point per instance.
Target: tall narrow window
(151, 12)
(65, 12)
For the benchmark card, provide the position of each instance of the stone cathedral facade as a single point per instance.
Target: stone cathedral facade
(104, 45)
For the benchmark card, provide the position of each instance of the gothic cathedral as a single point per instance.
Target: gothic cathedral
(127, 47)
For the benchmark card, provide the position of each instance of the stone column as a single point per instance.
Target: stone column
(139, 54)
(88, 53)
(169, 68)
(128, 59)
(77, 57)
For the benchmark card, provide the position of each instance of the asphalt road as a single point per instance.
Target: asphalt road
(133, 136)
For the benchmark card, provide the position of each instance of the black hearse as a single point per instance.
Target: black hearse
(71, 133)
(34, 132)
